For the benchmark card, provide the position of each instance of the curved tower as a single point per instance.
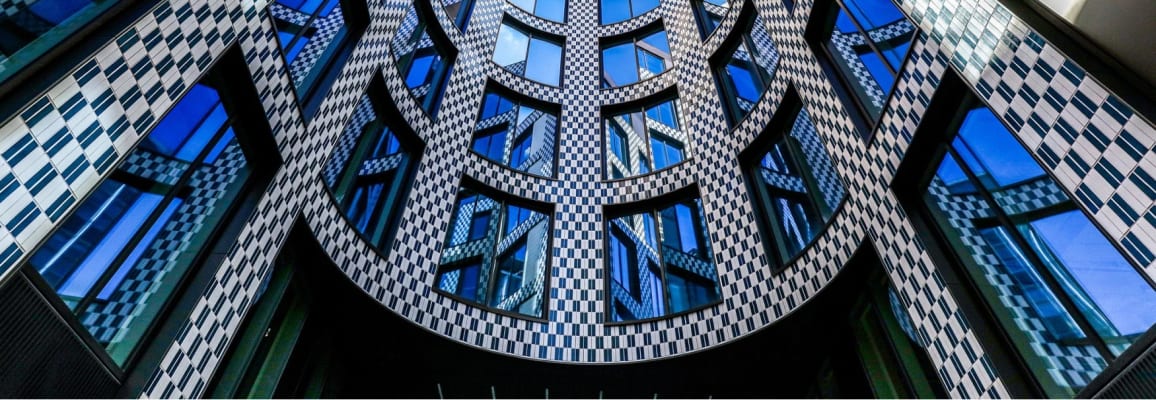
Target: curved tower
(577, 198)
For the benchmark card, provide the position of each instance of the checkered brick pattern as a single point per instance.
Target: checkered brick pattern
(58, 147)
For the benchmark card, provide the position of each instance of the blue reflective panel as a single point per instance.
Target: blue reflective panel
(491, 145)
(878, 71)
(462, 281)
(479, 225)
(554, 10)
(421, 70)
(658, 42)
(844, 24)
(775, 161)
(515, 216)
(509, 275)
(953, 177)
(1108, 290)
(290, 46)
(996, 151)
(386, 144)
(495, 104)
(364, 204)
(688, 292)
(618, 142)
(666, 153)
(650, 62)
(798, 223)
(896, 53)
(873, 13)
(615, 11)
(663, 113)
(688, 230)
(30, 28)
(511, 46)
(520, 152)
(198, 114)
(1030, 285)
(618, 65)
(743, 82)
(527, 5)
(545, 62)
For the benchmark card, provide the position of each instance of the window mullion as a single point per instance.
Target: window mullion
(1050, 280)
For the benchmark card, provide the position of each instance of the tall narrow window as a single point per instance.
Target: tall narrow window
(520, 136)
(635, 59)
(315, 39)
(529, 54)
(1067, 298)
(554, 10)
(424, 62)
(371, 168)
(709, 14)
(644, 139)
(659, 262)
(460, 11)
(796, 190)
(621, 10)
(122, 256)
(496, 254)
(864, 43)
(746, 74)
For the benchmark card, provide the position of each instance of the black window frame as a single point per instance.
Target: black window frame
(633, 38)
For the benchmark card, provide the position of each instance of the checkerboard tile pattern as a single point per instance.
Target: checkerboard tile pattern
(59, 146)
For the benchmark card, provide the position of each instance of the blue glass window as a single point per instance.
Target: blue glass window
(554, 10)
(746, 75)
(121, 254)
(424, 64)
(460, 11)
(643, 140)
(649, 280)
(29, 29)
(516, 46)
(497, 265)
(621, 10)
(865, 43)
(369, 172)
(516, 135)
(709, 14)
(313, 42)
(635, 60)
(795, 187)
(1053, 279)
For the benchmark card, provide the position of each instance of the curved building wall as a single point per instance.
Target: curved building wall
(979, 40)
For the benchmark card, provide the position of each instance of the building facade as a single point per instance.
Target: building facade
(577, 184)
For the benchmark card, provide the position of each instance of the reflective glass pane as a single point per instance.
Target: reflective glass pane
(511, 47)
(29, 29)
(504, 268)
(546, 62)
(516, 135)
(634, 139)
(618, 65)
(643, 274)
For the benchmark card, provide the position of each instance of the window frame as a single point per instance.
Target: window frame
(228, 75)
(408, 142)
(777, 132)
(427, 23)
(634, 38)
(722, 57)
(630, 6)
(945, 114)
(654, 207)
(516, 100)
(817, 34)
(639, 107)
(496, 225)
(532, 34)
(534, 12)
